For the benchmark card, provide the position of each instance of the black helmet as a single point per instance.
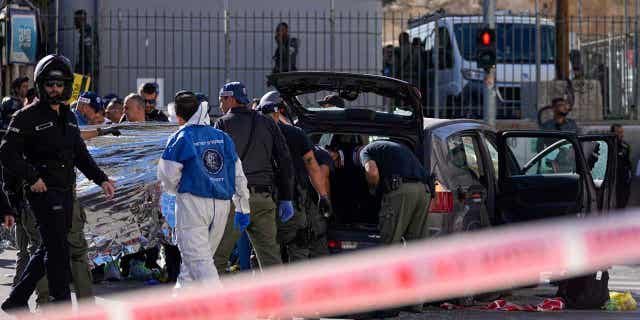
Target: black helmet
(53, 67)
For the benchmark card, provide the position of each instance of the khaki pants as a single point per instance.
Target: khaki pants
(80, 272)
(262, 231)
(403, 213)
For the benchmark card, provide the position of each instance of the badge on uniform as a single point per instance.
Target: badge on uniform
(213, 161)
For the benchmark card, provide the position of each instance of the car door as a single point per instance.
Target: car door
(542, 174)
(601, 151)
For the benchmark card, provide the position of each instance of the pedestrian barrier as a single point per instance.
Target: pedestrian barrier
(428, 270)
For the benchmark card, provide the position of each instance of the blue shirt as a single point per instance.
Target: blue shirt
(208, 156)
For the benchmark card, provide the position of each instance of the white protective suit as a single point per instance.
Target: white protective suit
(200, 221)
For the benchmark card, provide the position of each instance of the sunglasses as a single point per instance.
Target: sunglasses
(150, 102)
(54, 83)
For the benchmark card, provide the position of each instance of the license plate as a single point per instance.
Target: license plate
(349, 245)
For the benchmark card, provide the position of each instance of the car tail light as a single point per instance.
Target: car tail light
(333, 244)
(443, 200)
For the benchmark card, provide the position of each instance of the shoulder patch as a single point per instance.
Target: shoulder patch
(43, 126)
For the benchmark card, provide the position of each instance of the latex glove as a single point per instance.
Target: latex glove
(241, 221)
(325, 207)
(285, 211)
(110, 130)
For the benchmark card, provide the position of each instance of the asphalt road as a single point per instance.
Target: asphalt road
(623, 278)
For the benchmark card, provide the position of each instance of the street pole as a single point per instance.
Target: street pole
(562, 38)
(538, 55)
(227, 42)
(332, 26)
(489, 92)
(636, 57)
(57, 25)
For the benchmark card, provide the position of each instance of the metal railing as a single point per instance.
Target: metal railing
(202, 50)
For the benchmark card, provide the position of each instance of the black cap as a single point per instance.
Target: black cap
(333, 99)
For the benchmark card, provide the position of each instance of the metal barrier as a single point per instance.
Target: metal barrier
(202, 50)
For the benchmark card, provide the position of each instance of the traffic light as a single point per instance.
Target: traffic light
(486, 48)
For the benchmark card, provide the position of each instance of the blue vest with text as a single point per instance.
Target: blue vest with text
(208, 156)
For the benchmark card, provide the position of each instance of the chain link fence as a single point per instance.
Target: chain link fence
(436, 52)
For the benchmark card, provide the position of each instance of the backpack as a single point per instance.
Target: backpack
(586, 292)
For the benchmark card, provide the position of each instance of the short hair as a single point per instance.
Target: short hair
(282, 24)
(80, 12)
(18, 82)
(615, 126)
(556, 101)
(115, 102)
(136, 98)
(148, 88)
(186, 105)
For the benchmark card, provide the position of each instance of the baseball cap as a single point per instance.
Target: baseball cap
(333, 99)
(270, 102)
(92, 99)
(237, 90)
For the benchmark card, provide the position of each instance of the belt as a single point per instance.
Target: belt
(260, 189)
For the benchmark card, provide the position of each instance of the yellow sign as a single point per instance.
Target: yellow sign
(80, 84)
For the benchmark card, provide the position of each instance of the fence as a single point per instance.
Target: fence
(201, 50)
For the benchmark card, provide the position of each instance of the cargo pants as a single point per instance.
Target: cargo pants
(403, 213)
(262, 231)
(28, 236)
(291, 234)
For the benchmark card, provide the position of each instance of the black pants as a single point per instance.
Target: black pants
(52, 210)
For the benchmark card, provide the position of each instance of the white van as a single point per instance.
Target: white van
(459, 80)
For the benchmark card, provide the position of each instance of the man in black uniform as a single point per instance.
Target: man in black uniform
(395, 171)
(15, 102)
(261, 147)
(624, 171)
(295, 234)
(55, 147)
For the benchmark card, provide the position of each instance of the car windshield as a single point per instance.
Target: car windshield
(515, 42)
(322, 101)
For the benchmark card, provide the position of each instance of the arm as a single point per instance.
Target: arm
(89, 134)
(285, 164)
(373, 176)
(85, 163)
(241, 197)
(315, 174)
(12, 150)
(169, 174)
(325, 171)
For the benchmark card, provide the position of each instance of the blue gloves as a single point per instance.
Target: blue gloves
(285, 211)
(241, 221)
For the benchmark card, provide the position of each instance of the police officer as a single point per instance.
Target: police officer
(392, 169)
(15, 102)
(318, 246)
(295, 235)
(624, 172)
(261, 147)
(55, 147)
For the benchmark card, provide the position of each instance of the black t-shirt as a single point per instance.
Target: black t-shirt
(299, 145)
(393, 159)
(323, 157)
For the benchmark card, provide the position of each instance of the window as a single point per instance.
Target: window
(536, 156)
(597, 155)
(464, 155)
(493, 153)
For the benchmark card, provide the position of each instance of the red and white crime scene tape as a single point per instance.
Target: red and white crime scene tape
(428, 270)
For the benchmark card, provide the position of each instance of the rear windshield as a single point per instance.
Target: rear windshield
(323, 101)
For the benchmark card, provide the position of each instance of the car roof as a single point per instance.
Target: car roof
(435, 123)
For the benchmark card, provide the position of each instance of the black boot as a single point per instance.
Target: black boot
(11, 307)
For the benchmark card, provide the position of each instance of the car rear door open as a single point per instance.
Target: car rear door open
(600, 151)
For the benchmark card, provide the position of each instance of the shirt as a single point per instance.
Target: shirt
(567, 125)
(268, 161)
(157, 116)
(299, 145)
(393, 159)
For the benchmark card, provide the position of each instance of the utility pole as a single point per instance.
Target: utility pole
(227, 41)
(538, 55)
(562, 38)
(489, 90)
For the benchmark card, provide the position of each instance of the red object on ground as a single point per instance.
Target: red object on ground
(554, 304)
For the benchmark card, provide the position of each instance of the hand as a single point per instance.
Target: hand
(9, 221)
(109, 189)
(115, 131)
(285, 211)
(241, 221)
(325, 207)
(39, 186)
